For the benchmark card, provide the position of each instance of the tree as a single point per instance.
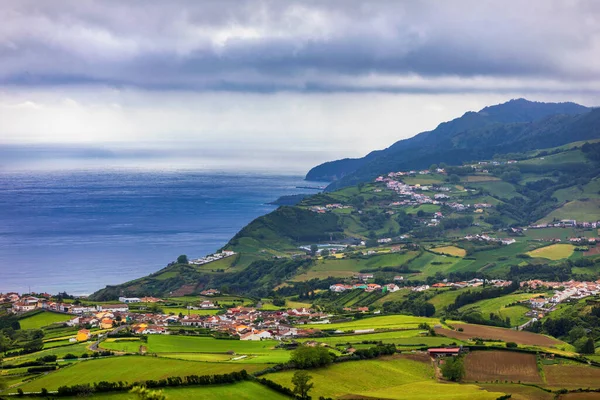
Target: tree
(310, 357)
(433, 167)
(453, 178)
(313, 249)
(147, 394)
(182, 259)
(325, 253)
(301, 385)
(585, 345)
(453, 369)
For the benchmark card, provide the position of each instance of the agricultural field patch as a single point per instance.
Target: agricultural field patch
(498, 189)
(489, 366)
(519, 392)
(498, 306)
(45, 318)
(236, 391)
(580, 210)
(572, 376)
(553, 252)
(131, 369)
(450, 250)
(383, 322)
(492, 332)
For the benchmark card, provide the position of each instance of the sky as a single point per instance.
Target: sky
(271, 85)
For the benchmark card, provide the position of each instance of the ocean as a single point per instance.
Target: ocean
(77, 231)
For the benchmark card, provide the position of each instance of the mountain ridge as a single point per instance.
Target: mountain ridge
(517, 111)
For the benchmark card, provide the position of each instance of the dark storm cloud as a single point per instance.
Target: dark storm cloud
(310, 45)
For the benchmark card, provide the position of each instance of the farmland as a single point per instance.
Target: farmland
(43, 319)
(581, 210)
(491, 332)
(388, 377)
(572, 376)
(383, 322)
(498, 306)
(553, 252)
(450, 250)
(237, 391)
(131, 369)
(488, 366)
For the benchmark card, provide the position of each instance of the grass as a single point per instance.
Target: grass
(350, 266)
(387, 377)
(450, 250)
(126, 346)
(131, 369)
(498, 306)
(60, 352)
(580, 210)
(237, 391)
(45, 318)
(553, 252)
(446, 297)
(498, 189)
(383, 322)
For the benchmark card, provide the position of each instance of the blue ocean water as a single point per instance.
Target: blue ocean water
(78, 231)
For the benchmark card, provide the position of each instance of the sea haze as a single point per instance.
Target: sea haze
(79, 231)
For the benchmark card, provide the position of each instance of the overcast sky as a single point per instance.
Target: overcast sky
(292, 83)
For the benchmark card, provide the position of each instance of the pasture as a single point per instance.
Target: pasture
(236, 391)
(131, 369)
(492, 332)
(553, 252)
(383, 322)
(499, 307)
(348, 267)
(394, 377)
(581, 210)
(489, 366)
(450, 250)
(40, 320)
(410, 337)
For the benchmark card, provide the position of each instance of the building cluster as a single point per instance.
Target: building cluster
(212, 257)
(567, 223)
(392, 287)
(563, 291)
(486, 238)
(328, 207)
(251, 324)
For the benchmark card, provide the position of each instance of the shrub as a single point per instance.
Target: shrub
(511, 345)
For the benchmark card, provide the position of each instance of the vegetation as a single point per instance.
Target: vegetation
(453, 368)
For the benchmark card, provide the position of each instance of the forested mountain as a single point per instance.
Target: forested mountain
(517, 125)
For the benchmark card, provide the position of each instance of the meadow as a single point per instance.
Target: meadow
(236, 391)
(131, 369)
(45, 318)
(383, 322)
(499, 307)
(388, 377)
(450, 250)
(580, 210)
(553, 252)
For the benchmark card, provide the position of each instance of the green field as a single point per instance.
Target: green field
(429, 263)
(450, 250)
(390, 377)
(498, 189)
(45, 318)
(498, 306)
(553, 252)
(347, 267)
(60, 352)
(401, 338)
(241, 391)
(384, 322)
(446, 297)
(131, 369)
(200, 348)
(579, 210)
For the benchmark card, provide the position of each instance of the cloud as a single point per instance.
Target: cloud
(270, 46)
